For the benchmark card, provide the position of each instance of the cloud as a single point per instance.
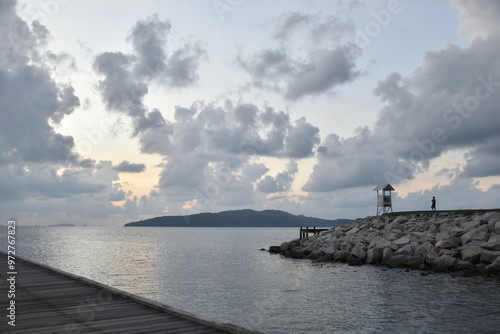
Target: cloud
(349, 163)
(126, 77)
(327, 62)
(30, 98)
(281, 183)
(450, 102)
(478, 18)
(127, 167)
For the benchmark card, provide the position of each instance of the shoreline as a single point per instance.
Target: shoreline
(465, 242)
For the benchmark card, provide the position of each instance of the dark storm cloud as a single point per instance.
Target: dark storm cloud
(29, 96)
(127, 167)
(326, 63)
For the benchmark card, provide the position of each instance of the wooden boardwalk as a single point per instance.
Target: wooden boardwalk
(51, 301)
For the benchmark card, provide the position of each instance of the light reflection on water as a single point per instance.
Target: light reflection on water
(220, 273)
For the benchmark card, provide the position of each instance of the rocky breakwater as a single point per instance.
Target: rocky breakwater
(428, 241)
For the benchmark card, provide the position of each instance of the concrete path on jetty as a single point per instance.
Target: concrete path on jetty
(48, 300)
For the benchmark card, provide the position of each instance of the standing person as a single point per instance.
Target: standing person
(433, 205)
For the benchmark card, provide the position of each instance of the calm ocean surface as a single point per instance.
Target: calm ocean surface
(221, 273)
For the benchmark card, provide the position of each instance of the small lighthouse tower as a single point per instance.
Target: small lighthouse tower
(384, 202)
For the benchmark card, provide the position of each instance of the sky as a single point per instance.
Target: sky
(116, 111)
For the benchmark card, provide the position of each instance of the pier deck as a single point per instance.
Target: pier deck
(48, 300)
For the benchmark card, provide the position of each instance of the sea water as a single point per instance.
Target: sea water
(221, 273)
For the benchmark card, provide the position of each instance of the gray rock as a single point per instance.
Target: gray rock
(404, 240)
(449, 242)
(415, 262)
(493, 244)
(354, 261)
(284, 246)
(400, 220)
(457, 232)
(374, 255)
(474, 235)
(445, 261)
(359, 251)
(397, 261)
(489, 256)
(329, 250)
(337, 256)
(494, 267)
(382, 243)
(387, 253)
(424, 248)
(275, 249)
(492, 215)
(497, 227)
(441, 235)
(325, 258)
(298, 252)
(406, 250)
(470, 225)
(426, 238)
(472, 254)
(346, 246)
(315, 255)
(463, 265)
(353, 231)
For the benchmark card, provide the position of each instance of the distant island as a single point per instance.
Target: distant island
(62, 225)
(239, 218)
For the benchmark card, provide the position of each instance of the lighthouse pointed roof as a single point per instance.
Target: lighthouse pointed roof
(385, 187)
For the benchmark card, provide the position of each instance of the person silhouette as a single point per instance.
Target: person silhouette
(433, 205)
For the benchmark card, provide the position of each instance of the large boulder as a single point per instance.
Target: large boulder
(497, 227)
(474, 235)
(489, 256)
(354, 261)
(359, 251)
(400, 220)
(472, 254)
(404, 240)
(314, 255)
(275, 249)
(424, 248)
(494, 267)
(298, 252)
(387, 253)
(445, 261)
(325, 258)
(449, 242)
(415, 262)
(374, 255)
(457, 232)
(406, 250)
(493, 244)
(397, 261)
(463, 265)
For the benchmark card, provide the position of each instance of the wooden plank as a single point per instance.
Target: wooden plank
(51, 301)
